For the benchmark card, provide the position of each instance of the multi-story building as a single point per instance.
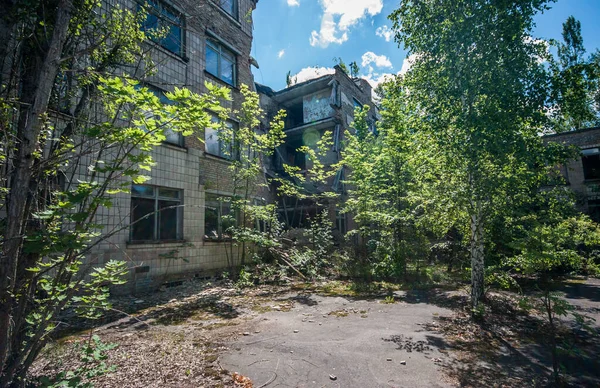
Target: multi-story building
(207, 40)
(582, 174)
(314, 107)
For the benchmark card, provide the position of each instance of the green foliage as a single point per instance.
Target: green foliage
(92, 356)
(575, 82)
(244, 279)
(320, 237)
(88, 143)
(254, 222)
(474, 120)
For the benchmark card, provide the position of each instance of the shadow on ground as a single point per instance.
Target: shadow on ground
(510, 348)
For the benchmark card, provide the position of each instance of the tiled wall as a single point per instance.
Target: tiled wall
(186, 168)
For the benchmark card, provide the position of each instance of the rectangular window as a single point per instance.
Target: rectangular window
(356, 103)
(172, 137)
(591, 164)
(229, 6)
(340, 220)
(165, 26)
(219, 217)
(156, 213)
(220, 62)
(216, 145)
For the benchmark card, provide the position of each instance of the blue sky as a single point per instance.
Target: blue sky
(303, 36)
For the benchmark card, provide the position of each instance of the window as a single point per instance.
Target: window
(216, 145)
(340, 221)
(165, 26)
(356, 103)
(220, 62)
(591, 164)
(156, 213)
(172, 137)
(218, 217)
(230, 6)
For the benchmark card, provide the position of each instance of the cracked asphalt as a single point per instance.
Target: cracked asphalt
(339, 342)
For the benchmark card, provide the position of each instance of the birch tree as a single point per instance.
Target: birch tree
(476, 90)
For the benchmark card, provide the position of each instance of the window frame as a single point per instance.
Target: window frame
(219, 48)
(160, 93)
(221, 237)
(157, 198)
(156, 8)
(234, 11)
(233, 152)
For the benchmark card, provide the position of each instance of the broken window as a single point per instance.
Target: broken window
(219, 217)
(220, 62)
(216, 144)
(165, 26)
(295, 115)
(156, 213)
(591, 163)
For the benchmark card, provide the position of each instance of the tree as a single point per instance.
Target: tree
(575, 82)
(354, 69)
(75, 131)
(477, 93)
(340, 62)
(249, 147)
(379, 181)
(547, 243)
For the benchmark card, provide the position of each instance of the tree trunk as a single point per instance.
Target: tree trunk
(477, 256)
(41, 70)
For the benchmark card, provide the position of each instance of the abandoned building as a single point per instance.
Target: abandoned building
(206, 40)
(315, 107)
(211, 41)
(582, 175)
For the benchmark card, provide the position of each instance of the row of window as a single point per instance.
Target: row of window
(213, 144)
(166, 27)
(157, 215)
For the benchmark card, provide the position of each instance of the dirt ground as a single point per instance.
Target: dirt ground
(328, 335)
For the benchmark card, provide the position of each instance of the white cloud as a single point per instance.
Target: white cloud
(281, 53)
(309, 73)
(379, 60)
(407, 64)
(349, 12)
(293, 3)
(385, 32)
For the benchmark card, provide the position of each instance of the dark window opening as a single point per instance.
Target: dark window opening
(594, 209)
(295, 115)
(156, 213)
(219, 218)
(591, 167)
(165, 26)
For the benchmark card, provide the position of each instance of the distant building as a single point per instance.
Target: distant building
(582, 175)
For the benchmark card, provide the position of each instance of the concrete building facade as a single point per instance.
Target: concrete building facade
(175, 225)
(205, 41)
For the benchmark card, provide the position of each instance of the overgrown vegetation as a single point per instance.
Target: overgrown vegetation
(455, 173)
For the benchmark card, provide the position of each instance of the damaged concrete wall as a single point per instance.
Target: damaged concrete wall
(317, 106)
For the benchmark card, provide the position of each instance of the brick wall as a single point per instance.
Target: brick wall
(573, 171)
